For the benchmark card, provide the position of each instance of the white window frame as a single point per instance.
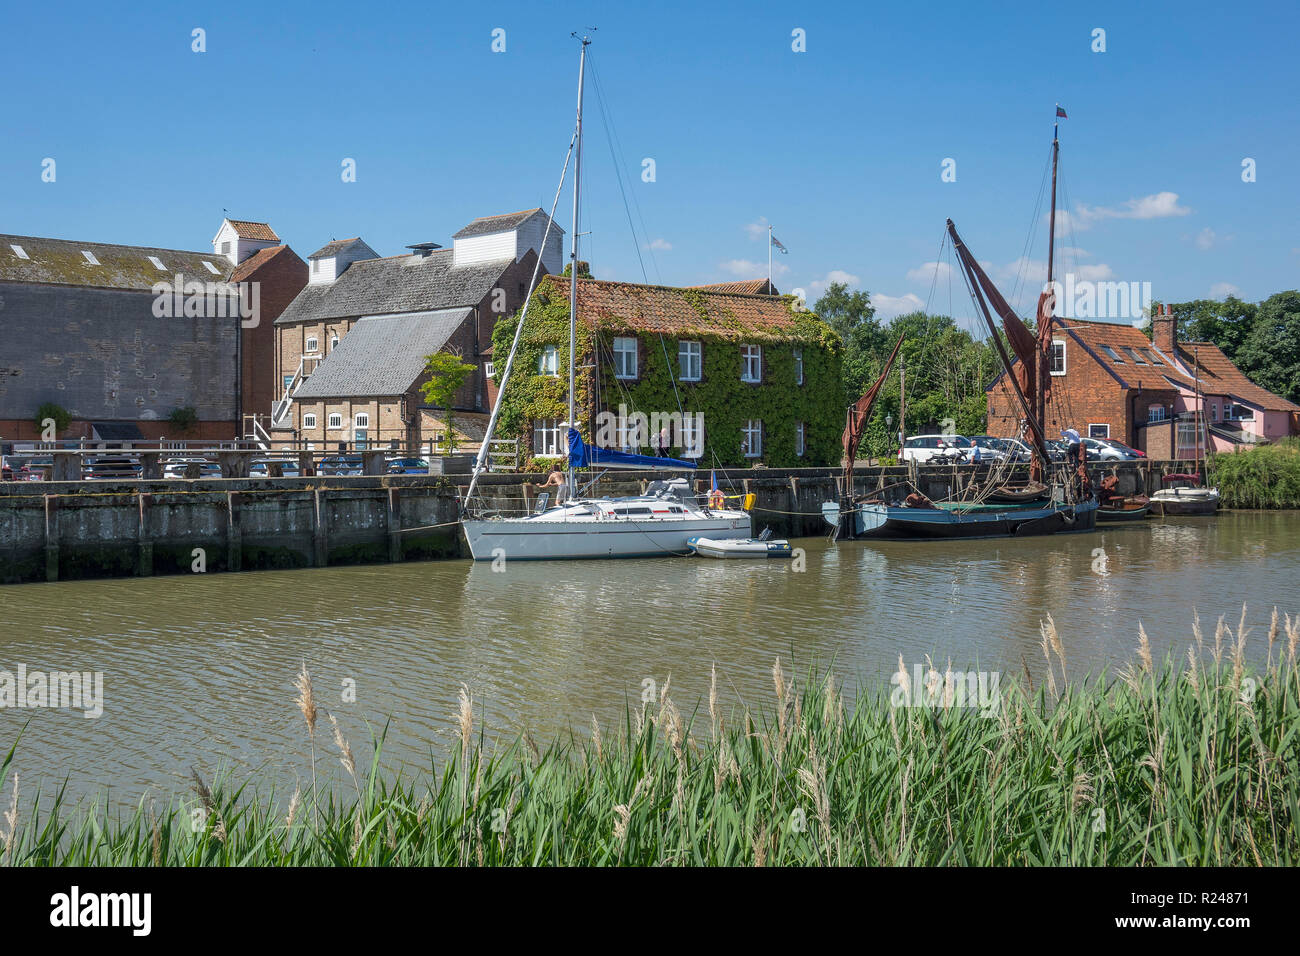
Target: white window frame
(690, 360)
(334, 421)
(311, 345)
(798, 366)
(361, 420)
(547, 441)
(548, 363)
(751, 364)
(308, 419)
(800, 439)
(752, 445)
(334, 341)
(490, 370)
(1157, 413)
(625, 355)
(690, 441)
(1092, 425)
(1061, 343)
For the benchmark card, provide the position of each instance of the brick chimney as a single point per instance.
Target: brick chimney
(1164, 330)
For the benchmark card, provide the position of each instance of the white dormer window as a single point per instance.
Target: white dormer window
(19, 251)
(89, 257)
(211, 268)
(312, 344)
(157, 263)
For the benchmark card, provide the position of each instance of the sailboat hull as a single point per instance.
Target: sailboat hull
(886, 521)
(529, 539)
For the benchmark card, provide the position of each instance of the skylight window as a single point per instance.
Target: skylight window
(1112, 353)
(1137, 356)
(90, 257)
(211, 268)
(19, 252)
(157, 263)
(1154, 356)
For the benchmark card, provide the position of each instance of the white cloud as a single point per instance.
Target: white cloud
(888, 306)
(757, 230)
(1221, 290)
(1161, 205)
(746, 269)
(1205, 238)
(1094, 273)
(927, 272)
(659, 245)
(835, 275)
(1074, 251)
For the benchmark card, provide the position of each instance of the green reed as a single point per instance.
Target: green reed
(1191, 762)
(1263, 477)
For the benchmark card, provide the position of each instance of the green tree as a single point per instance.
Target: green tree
(447, 374)
(584, 270)
(51, 411)
(183, 419)
(1270, 354)
(852, 315)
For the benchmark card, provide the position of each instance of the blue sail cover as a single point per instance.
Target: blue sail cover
(582, 455)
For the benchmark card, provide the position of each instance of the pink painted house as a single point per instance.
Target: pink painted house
(1235, 412)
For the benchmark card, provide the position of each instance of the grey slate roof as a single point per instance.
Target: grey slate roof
(382, 355)
(60, 262)
(335, 247)
(485, 225)
(396, 284)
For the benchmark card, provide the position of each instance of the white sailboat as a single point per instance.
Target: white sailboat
(661, 522)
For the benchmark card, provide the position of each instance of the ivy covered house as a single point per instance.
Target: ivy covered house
(736, 379)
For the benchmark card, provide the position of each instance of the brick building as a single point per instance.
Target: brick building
(735, 378)
(350, 348)
(1109, 381)
(122, 337)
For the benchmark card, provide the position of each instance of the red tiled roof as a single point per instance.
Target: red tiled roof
(1099, 335)
(626, 306)
(253, 230)
(748, 287)
(1218, 375)
(254, 262)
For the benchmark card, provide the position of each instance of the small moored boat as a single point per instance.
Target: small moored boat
(740, 547)
(1185, 495)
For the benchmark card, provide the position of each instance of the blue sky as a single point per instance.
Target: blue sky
(839, 147)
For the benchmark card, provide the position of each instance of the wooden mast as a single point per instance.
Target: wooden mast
(1045, 333)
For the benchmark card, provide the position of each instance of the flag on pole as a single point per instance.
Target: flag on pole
(714, 486)
(777, 243)
(1061, 113)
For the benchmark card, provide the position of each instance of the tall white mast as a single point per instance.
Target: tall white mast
(573, 268)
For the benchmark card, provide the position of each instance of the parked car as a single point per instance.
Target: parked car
(262, 467)
(110, 467)
(1135, 452)
(923, 448)
(179, 467)
(1098, 449)
(341, 465)
(1016, 449)
(406, 466)
(991, 449)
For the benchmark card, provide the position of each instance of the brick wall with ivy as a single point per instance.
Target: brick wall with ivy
(726, 402)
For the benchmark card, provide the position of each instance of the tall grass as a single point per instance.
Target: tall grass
(1163, 765)
(1263, 477)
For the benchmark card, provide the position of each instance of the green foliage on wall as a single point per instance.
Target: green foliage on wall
(183, 419)
(725, 402)
(55, 412)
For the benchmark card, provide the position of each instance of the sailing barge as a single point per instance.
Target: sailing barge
(1058, 499)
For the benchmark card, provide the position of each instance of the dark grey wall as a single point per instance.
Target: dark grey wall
(102, 354)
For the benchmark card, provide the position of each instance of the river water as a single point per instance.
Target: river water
(198, 670)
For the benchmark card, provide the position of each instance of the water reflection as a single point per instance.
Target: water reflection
(198, 670)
